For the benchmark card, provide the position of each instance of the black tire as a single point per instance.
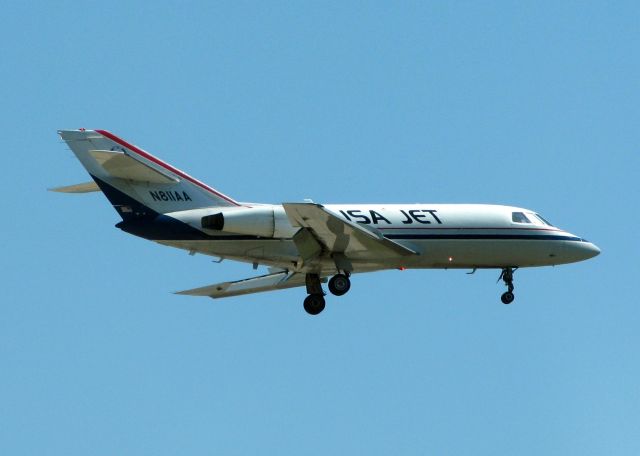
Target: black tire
(339, 284)
(507, 297)
(314, 304)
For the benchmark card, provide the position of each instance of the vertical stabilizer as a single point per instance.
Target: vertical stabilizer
(135, 182)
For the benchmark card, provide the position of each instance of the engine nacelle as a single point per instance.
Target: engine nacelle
(254, 221)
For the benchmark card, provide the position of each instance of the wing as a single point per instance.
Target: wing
(269, 282)
(339, 236)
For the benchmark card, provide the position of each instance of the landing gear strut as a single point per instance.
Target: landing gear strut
(507, 276)
(339, 284)
(314, 303)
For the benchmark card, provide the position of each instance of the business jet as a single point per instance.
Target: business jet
(305, 244)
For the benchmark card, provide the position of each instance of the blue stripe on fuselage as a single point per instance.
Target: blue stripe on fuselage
(142, 221)
(532, 237)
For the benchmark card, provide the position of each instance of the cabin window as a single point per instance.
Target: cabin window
(519, 217)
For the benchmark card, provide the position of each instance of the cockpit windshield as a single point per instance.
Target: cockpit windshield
(543, 220)
(519, 217)
(530, 218)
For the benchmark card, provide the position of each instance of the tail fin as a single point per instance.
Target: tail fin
(135, 182)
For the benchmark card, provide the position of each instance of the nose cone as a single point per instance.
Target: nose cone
(570, 248)
(581, 250)
(589, 250)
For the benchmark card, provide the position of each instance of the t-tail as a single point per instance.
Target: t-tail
(140, 186)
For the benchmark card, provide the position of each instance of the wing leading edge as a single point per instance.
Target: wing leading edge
(339, 236)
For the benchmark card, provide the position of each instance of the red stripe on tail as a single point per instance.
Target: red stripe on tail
(166, 166)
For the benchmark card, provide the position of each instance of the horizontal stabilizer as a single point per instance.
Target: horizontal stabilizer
(123, 166)
(85, 187)
(269, 282)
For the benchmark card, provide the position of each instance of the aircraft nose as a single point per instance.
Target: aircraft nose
(590, 250)
(579, 250)
(586, 250)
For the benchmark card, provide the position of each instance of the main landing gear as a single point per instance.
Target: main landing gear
(339, 284)
(314, 304)
(507, 276)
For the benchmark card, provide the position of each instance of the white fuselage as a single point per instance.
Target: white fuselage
(309, 243)
(444, 235)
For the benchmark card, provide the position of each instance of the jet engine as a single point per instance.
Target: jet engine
(254, 221)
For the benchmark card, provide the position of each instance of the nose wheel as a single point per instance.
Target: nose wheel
(507, 277)
(507, 297)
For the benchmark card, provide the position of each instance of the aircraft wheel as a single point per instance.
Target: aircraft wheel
(507, 297)
(339, 284)
(314, 304)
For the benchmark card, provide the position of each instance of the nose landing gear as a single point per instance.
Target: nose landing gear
(507, 276)
(507, 297)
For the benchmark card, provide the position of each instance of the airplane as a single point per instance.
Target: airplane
(305, 244)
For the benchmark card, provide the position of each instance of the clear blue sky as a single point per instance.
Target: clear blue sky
(530, 104)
